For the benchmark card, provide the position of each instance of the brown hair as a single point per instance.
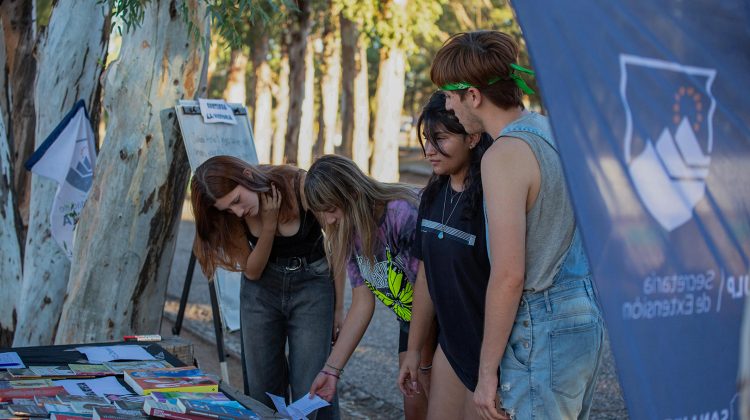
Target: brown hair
(476, 58)
(337, 182)
(220, 239)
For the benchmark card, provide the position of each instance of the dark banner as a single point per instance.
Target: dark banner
(650, 105)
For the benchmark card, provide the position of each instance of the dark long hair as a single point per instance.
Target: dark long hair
(435, 117)
(220, 239)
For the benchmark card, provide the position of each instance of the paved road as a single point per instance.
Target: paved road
(368, 388)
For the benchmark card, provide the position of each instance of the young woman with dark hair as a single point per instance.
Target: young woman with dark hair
(454, 266)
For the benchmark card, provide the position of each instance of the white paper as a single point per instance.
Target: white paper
(216, 111)
(121, 352)
(100, 386)
(11, 360)
(298, 409)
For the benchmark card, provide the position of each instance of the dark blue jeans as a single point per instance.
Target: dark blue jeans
(294, 305)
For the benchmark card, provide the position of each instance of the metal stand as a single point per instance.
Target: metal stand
(218, 329)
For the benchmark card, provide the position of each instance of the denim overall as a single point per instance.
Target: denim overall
(551, 362)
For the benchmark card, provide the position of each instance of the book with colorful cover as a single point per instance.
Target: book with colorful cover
(58, 407)
(201, 408)
(24, 373)
(9, 394)
(214, 397)
(127, 402)
(41, 400)
(6, 414)
(95, 399)
(113, 413)
(27, 410)
(119, 367)
(26, 383)
(53, 371)
(145, 386)
(177, 372)
(69, 416)
(166, 410)
(86, 407)
(82, 369)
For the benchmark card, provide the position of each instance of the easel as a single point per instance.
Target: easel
(234, 141)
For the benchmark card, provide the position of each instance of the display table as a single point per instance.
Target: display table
(66, 354)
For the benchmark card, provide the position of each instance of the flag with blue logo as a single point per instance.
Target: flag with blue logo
(67, 156)
(650, 109)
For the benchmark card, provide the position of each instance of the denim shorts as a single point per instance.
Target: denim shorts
(552, 358)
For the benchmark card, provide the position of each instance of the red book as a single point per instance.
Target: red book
(7, 395)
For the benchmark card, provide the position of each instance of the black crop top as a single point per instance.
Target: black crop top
(307, 242)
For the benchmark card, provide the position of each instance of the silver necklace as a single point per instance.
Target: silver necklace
(443, 220)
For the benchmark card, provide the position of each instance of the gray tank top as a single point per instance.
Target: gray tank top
(550, 223)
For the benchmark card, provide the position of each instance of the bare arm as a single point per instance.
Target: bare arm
(355, 325)
(419, 351)
(509, 171)
(339, 280)
(258, 258)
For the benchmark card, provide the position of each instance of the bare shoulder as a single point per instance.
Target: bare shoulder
(509, 154)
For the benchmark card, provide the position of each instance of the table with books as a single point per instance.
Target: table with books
(140, 380)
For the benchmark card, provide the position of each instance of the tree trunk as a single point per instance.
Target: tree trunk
(19, 25)
(10, 246)
(307, 122)
(263, 106)
(126, 236)
(330, 82)
(69, 57)
(235, 89)
(361, 143)
(349, 36)
(4, 86)
(390, 101)
(281, 112)
(300, 28)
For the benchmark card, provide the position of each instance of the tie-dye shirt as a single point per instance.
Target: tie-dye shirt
(392, 276)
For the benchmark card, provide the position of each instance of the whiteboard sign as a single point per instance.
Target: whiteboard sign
(203, 141)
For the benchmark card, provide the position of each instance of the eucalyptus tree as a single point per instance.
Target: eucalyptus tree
(397, 26)
(70, 54)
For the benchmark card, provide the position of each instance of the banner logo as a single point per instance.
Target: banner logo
(668, 141)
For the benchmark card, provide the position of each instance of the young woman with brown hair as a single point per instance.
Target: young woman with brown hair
(255, 219)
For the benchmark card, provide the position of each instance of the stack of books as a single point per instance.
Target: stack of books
(186, 379)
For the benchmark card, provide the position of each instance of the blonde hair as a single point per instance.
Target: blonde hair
(335, 182)
(220, 239)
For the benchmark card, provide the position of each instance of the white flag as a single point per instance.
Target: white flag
(68, 157)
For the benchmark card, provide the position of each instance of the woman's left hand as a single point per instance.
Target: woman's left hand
(486, 398)
(324, 385)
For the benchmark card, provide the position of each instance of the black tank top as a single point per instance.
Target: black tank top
(307, 242)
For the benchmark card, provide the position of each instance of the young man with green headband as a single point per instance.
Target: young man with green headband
(543, 329)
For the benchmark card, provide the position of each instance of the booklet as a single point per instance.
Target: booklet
(103, 354)
(108, 385)
(299, 409)
(11, 360)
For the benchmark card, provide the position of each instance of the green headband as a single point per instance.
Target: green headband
(513, 75)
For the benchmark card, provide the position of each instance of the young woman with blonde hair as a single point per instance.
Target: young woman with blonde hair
(370, 228)
(255, 219)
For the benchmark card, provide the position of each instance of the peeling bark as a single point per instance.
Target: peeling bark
(69, 57)
(10, 246)
(126, 236)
